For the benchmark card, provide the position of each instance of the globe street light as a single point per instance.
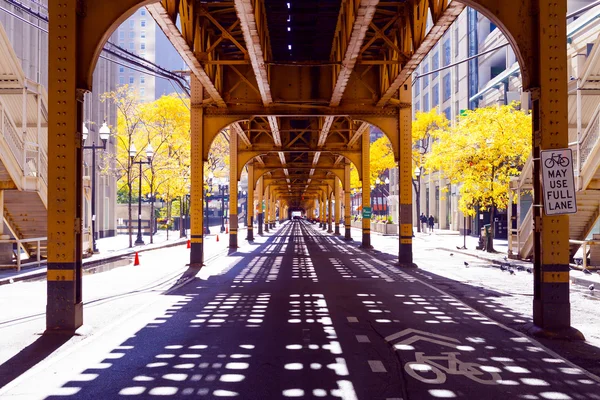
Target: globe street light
(132, 155)
(104, 135)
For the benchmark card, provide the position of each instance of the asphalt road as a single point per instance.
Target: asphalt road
(304, 315)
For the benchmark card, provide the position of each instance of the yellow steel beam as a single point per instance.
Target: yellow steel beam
(353, 23)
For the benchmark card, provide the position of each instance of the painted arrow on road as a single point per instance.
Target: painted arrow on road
(424, 336)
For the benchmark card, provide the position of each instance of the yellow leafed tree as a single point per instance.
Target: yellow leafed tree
(425, 128)
(382, 159)
(487, 147)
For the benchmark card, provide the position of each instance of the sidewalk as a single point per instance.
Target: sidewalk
(112, 249)
(453, 241)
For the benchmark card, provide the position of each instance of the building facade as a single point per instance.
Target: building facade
(445, 81)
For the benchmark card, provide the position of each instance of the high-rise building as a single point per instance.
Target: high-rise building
(140, 35)
(443, 81)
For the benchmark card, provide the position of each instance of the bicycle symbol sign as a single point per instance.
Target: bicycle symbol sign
(558, 182)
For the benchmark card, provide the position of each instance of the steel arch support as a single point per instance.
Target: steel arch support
(404, 136)
(197, 174)
(64, 309)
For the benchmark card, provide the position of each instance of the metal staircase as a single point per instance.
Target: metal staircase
(23, 152)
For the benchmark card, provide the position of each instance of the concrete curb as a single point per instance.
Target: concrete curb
(89, 263)
(574, 280)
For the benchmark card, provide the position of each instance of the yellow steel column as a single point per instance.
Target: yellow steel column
(260, 215)
(405, 255)
(322, 209)
(250, 203)
(347, 203)
(338, 205)
(267, 208)
(197, 174)
(64, 309)
(329, 212)
(366, 188)
(233, 191)
(551, 304)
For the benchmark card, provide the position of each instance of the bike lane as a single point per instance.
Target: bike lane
(441, 347)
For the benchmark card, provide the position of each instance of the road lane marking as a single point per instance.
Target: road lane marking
(363, 339)
(352, 319)
(377, 366)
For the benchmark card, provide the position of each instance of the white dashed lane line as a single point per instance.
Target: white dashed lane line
(363, 339)
(377, 366)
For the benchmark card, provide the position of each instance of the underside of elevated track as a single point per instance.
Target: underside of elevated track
(297, 84)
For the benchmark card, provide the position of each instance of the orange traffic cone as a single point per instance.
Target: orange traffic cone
(217, 238)
(227, 229)
(136, 261)
(188, 244)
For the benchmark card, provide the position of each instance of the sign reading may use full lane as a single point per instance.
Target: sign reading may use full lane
(558, 182)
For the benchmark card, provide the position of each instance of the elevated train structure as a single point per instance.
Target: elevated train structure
(297, 84)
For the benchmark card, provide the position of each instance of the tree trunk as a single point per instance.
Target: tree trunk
(151, 217)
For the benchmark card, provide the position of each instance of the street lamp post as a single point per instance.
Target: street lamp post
(418, 196)
(132, 155)
(387, 203)
(379, 196)
(222, 190)
(208, 191)
(104, 135)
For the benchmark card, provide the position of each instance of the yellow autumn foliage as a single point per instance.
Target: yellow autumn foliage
(482, 152)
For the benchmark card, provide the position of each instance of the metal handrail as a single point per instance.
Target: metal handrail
(20, 247)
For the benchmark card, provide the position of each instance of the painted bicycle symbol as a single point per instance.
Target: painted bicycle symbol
(556, 159)
(427, 370)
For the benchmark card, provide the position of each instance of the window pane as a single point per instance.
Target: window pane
(131, 80)
(143, 22)
(435, 64)
(447, 54)
(425, 78)
(435, 96)
(447, 87)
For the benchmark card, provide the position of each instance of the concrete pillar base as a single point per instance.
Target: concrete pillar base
(6, 253)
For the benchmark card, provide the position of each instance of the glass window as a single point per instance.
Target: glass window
(435, 64)
(143, 34)
(425, 78)
(143, 46)
(143, 54)
(448, 113)
(131, 46)
(131, 34)
(131, 80)
(131, 24)
(447, 86)
(416, 107)
(142, 92)
(435, 96)
(143, 12)
(417, 84)
(426, 102)
(456, 42)
(143, 23)
(121, 35)
(121, 80)
(121, 69)
(447, 54)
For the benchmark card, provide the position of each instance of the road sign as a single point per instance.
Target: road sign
(366, 212)
(558, 182)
